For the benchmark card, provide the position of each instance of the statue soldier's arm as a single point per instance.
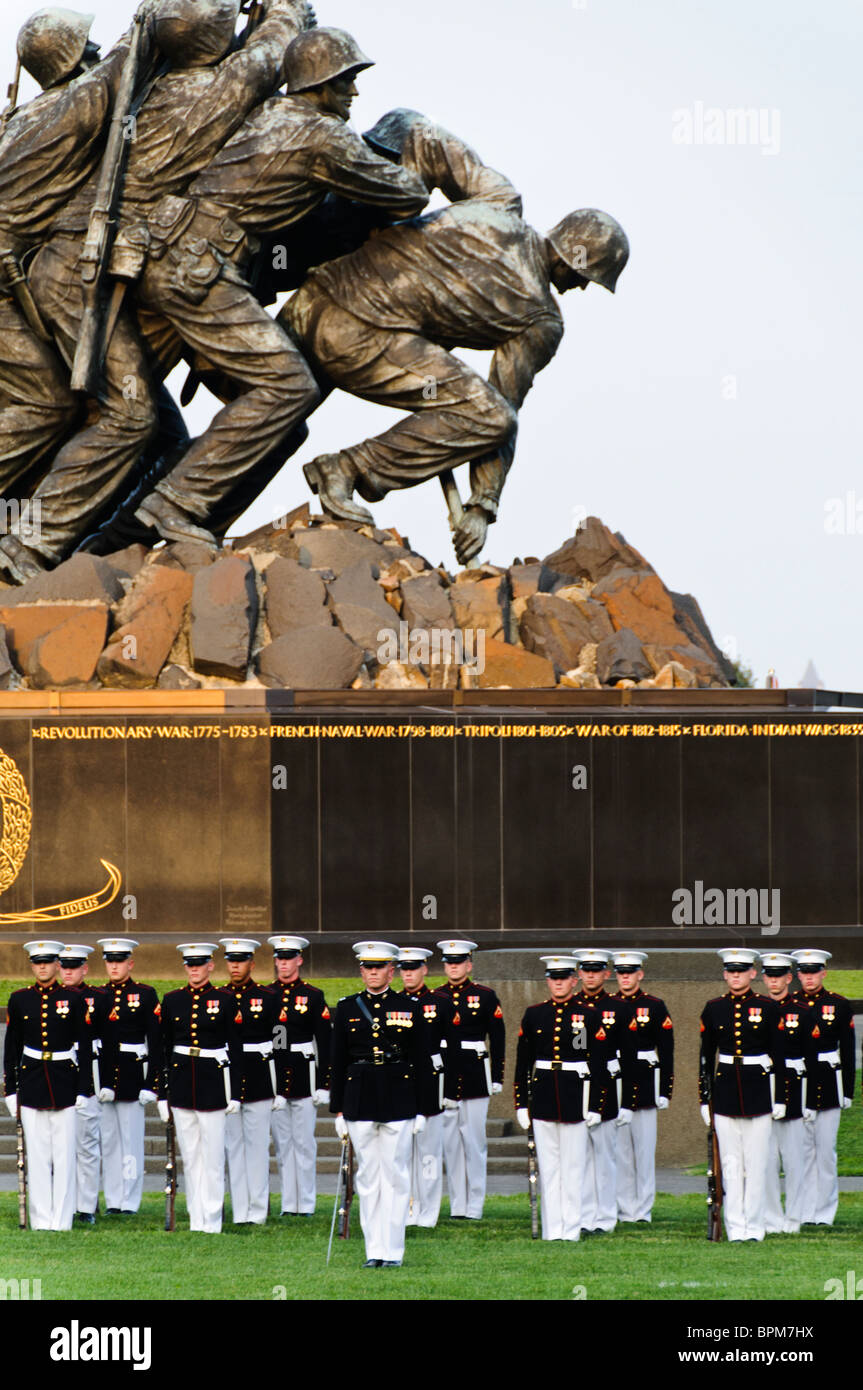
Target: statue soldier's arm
(346, 166)
(444, 161)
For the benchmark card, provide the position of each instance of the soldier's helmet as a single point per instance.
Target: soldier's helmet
(388, 136)
(51, 44)
(321, 55)
(592, 243)
(196, 33)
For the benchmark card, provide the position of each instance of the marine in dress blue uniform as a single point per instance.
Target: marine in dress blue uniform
(427, 1158)
(88, 1162)
(647, 1045)
(787, 1136)
(599, 1205)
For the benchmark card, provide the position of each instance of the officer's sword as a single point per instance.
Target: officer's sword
(338, 1209)
(170, 1171)
(22, 1167)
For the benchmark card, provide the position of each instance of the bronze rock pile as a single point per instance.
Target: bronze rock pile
(309, 603)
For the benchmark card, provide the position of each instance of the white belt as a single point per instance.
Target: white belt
(215, 1054)
(96, 1045)
(762, 1061)
(478, 1047)
(69, 1056)
(652, 1056)
(264, 1048)
(581, 1067)
(796, 1064)
(437, 1061)
(306, 1048)
(141, 1050)
(831, 1057)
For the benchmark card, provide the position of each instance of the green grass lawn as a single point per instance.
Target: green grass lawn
(134, 1258)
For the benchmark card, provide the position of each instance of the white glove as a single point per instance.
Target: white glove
(341, 1127)
(496, 1088)
(592, 1119)
(624, 1117)
(809, 1116)
(162, 1106)
(12, 1105)
(146, 1097)
(106, 1095)
(419, 1124)
(81, 1102)
(449, 1104)
(779, 1112)
(321, 1098)
(662, 1103)
(280, 1102)
(523, 1117)
(846, 1102)
(613, 1067)
(705, 1115)
(232, 1107)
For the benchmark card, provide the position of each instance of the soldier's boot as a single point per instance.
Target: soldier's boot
(171, 522)
(333, 479)
(18, 563)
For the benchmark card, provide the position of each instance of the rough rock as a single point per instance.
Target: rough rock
(149, 620)
(294, 597)
(593, 552)
(175, 678)
(224, 617)
(638, 599)
(56, 645)
(555, 629)
(513, 667)
(397, 675)
(126, 563)
(688, 613)
(675, 676)
(77, 580)
(186, 555)
(277, 535)
(7, 673)
(482, 606)
(425, 602)
(580, 679)
(310, 658)
(360, 606)
(528, 579)
(332, 548)
(620, 657)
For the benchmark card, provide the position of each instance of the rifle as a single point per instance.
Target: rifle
(714, 1181)
(345, 1223)
(12, 94)
(532, 1178)
(100, 231)
(22, 1167)
(170, 1171)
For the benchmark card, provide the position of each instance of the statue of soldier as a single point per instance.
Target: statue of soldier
(379, 323)
(189, 112)
(48, 150)
(278, 166)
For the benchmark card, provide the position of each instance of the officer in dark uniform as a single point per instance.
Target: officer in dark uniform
(742, 1068)
(427, 1160)
(247, 1133)
(647, 1044)
(560, 1043)
(474, 1072)
(130, 1069)
(47, 1065)
(73, 971)
(787, 1136)
(830, 1084)
(599, 1205)
(303, 1031)
(379, 1062)
(203, 1067)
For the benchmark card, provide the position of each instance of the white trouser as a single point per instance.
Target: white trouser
(466, 1150)
(247, 1144)
(383, 1153)
(88, 1156)
(636, 1167)
(122, 1124)
(786, 1143)
(201, 1136)
(296, 1150)
(561, 1153)
(50, 1139)
(820, 1180)
(599, 1196)
(744, 1147)
(427, 1174)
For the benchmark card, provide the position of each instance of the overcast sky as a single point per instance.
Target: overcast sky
(711, 409)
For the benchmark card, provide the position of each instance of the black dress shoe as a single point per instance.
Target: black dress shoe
(390, 1264)
(86, 1218)
(372, 1264)
(113, 1211)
